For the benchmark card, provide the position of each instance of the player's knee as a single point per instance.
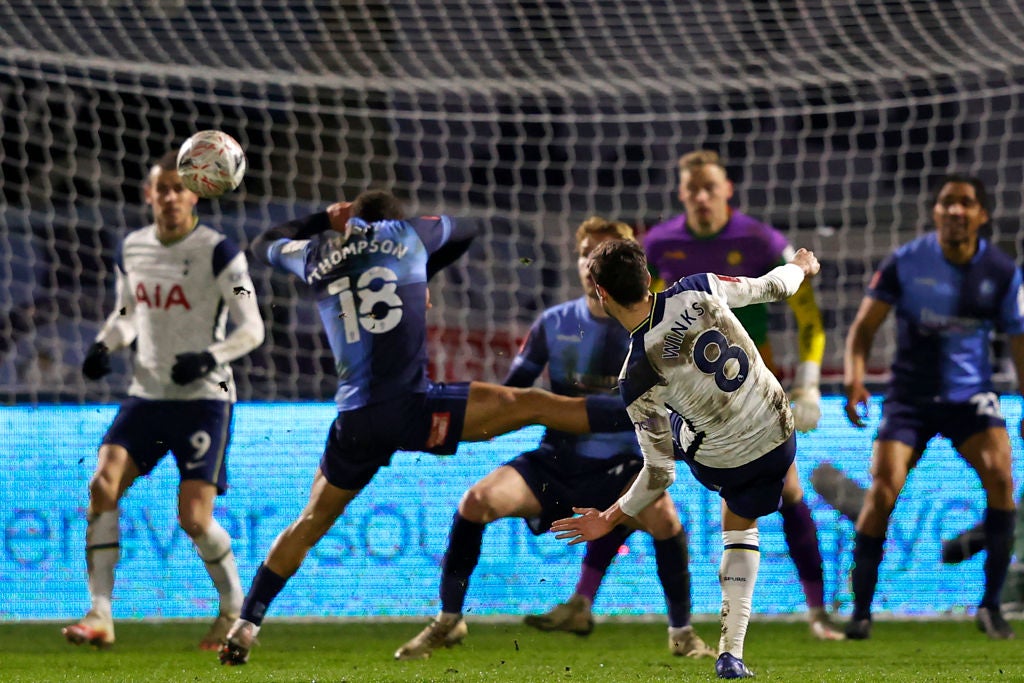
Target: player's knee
(881, 497)
(998, 481)
(103, 490)
(476, 506)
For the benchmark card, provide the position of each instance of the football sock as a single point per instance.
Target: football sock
(214, 547)
(867, 555)
(464, 542)
(998, 542)
(802, 539)
(672, 558)
(607, 413)
(102, 550)
(598, 558)
(265, 587)
(737, 575)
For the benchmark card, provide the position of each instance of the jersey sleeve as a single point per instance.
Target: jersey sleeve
(1012, 307)
(288, 256)
(654, 433)
(779, 283)
(885, 283)
(232, 276)
(119, 329)
(533, 356)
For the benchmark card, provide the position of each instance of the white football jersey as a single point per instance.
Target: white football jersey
(693, 375)
(176, 298)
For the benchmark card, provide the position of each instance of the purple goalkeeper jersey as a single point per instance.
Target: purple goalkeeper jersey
(745, 247)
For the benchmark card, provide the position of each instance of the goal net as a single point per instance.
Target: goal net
(834, 119)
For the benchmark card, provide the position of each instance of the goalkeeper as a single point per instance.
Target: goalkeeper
(712, 237)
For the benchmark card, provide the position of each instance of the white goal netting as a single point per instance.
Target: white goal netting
(834, 119)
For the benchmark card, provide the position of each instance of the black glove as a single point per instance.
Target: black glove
(189, 367)
(97, 361)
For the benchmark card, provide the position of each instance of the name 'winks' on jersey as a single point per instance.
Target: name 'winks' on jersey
(371, 290)
(694, 376)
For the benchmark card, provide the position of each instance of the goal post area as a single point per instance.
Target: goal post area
(834, 119)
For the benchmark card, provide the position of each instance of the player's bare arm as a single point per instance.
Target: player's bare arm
(870, 316)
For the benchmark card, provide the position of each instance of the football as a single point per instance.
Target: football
(210, 163)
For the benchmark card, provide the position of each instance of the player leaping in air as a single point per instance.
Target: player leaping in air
(368, 267)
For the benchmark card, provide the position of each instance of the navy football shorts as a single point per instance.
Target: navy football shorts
(916, 423)
(361, 441)
(561, 480)
(196, 432)
(752, 490)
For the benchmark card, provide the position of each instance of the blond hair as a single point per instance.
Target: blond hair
(596, 225)
(692, 161)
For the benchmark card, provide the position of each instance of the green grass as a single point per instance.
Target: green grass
(615, 652)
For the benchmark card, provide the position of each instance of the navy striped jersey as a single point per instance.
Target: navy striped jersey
(583, 355)
(371, 290)
(945, 316)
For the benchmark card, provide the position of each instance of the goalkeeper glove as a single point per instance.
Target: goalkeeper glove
(190, 366)
(806, 408)
(806, 397)
(97, 361)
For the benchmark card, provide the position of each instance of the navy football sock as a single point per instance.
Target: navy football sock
(998, 542)
(867, 555)
(265, 587)
(460, 559)
(672, 558)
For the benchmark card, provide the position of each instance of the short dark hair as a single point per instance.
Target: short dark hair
(167, 162)
(377, 205)
(980, 192)
(620, 268)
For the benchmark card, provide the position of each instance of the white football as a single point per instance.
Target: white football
(211, 162)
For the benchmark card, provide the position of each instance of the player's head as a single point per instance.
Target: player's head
(959, 210)
(372, 206)
(705, 191)
(173, 204)
(619, 270)
(591, 233)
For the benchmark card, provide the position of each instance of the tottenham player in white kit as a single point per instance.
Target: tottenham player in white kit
(177, 283)
(697, 391)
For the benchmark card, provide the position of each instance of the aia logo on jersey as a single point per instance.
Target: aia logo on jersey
(159, 297)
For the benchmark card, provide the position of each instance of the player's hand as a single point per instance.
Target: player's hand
(190, 366)
(807, 261)
(97, 361)
(339, 213)
(588, 526)
(806, 408)
(857, 397)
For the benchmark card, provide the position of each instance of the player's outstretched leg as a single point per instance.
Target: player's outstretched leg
(842, 493)
(964, 545)
(445, 630)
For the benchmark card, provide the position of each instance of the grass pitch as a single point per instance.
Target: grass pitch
(614, 652)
